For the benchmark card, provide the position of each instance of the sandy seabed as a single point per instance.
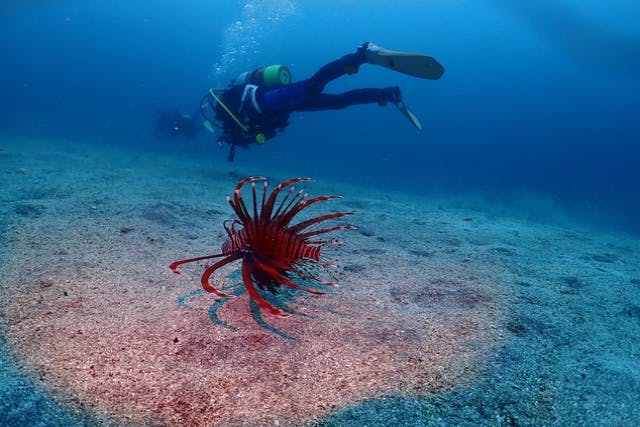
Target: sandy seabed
(436, 298)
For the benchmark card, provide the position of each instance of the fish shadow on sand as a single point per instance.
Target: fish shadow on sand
(280, 300)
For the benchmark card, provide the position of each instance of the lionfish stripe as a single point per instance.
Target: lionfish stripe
(204, 280)
(247, 269)
(285, 244)
(304, 224)
(295, 247)
(280, 278)
(234, 242)
(174, 265)
(310, 252)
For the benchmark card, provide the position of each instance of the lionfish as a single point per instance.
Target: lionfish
(271, 248)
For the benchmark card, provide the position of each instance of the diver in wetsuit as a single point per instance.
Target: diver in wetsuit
(172, 123)
(257, 104)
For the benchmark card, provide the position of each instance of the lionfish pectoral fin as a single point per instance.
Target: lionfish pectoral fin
(278, 277)
(174, 265)
(255, 296)
(204, 280)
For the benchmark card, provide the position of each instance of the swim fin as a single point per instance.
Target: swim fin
(408, 114)
(395, 96)
(413, 64)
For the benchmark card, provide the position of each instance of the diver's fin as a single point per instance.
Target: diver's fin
(414, 64)
(408, 114)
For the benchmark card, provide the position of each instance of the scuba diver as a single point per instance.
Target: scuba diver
(172, 123)
(257, 104)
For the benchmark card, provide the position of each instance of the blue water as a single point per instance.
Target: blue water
(536, 103)
(536, 99)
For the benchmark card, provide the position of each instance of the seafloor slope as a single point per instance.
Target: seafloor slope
(448, 313)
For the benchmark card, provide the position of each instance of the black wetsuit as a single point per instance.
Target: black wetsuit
(266, 111)
(307, 95)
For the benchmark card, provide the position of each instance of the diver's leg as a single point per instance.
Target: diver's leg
(325, 101)
(348, 64)
(303, 94)
(284, 99)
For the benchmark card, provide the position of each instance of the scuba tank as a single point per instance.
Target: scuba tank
(269, 77)
(225, 104)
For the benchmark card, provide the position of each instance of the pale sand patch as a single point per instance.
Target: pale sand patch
(100, 325)
(89, 307)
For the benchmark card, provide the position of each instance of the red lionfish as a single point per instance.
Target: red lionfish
(271, 248)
